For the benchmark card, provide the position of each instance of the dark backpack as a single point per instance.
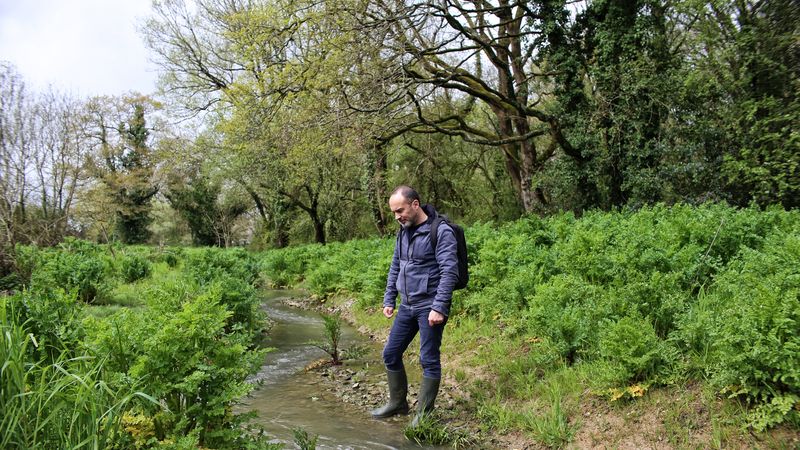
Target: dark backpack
(461, 248)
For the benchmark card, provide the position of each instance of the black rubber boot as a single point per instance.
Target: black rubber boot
(398, 389)
(427, 396)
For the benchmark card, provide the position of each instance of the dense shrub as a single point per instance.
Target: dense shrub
(134, 268)
(172, 256)
(750, 320)
(358, 267)
(75, 265)
(190, 348)
(632, 350)
(242, 300)
(567, 310)
(26, 258)
(192, 361)
(51, 315)
(53, 399)
(209, 263)
(288, 266)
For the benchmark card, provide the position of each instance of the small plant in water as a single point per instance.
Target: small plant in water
(333, 334)
(303, 440)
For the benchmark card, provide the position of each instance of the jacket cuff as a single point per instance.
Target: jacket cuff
(441, 308)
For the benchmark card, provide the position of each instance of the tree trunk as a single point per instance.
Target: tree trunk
(319, 227)
(376, 190)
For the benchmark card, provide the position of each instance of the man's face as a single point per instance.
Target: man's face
(404, 211)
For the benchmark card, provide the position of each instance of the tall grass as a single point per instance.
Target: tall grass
(60, 403)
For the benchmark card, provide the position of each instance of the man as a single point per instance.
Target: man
(424, 277)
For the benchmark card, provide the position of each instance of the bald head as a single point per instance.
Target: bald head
(405, 205)
(407, 192)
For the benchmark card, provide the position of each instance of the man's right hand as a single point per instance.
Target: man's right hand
(388, 311)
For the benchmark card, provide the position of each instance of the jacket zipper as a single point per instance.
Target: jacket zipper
(408, 258)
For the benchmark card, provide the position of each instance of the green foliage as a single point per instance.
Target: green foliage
(288, 266)
(26, 259)
(77, 266)
(59, 400)
(190, 347)
(303, 440)
(566, 310)
(233, 273)
(191, 358)
(208, 264)
(134, 268)
(127, 170)
(631, 351)
(430, 431)
(242, 300)
(749, 323)
(553, 427)
(198, 202)
(170, 255)
(357, 266)
(51, 315)
(641, 297)
(333, 337)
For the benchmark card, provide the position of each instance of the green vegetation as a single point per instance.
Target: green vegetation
(303, 440)
(51, 396)
(333, 337)
(511, 109)
(159, 365)
(614, 304)
(591, 147)
(431, 431)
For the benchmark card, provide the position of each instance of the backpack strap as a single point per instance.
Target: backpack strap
(434, 236)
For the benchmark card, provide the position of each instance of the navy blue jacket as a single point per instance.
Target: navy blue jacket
(423, 277)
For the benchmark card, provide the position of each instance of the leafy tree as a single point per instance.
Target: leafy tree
(124, 161)
(748, 78)
(549, 105)
(615, 70)
(198, 202)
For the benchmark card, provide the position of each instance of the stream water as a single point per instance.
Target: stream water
(289, 397)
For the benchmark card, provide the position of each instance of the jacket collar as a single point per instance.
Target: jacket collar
(424, 226)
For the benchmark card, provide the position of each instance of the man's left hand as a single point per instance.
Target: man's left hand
(435, 318)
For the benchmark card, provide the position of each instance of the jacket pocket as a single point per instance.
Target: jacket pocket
(412, 282)
(417, 285)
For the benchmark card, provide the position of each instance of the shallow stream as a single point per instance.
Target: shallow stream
(290, 398)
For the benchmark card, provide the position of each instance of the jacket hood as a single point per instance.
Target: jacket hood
(430, 210)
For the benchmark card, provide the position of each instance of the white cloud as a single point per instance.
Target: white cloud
(87, 47)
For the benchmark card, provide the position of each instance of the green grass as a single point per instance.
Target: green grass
(58, 403)
(130, 295)
(431, 431)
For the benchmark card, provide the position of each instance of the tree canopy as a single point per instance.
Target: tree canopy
(306, 112)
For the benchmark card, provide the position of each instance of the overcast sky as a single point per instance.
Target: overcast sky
(84, 47)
